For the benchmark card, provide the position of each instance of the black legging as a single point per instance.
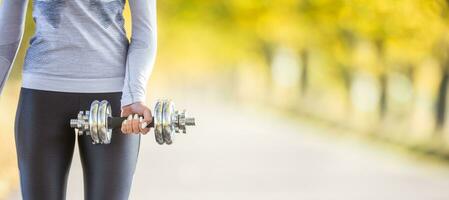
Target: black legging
(45, 143)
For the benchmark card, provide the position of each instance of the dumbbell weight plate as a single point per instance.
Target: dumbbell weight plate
(168, 125)
(103, 132)
(158, 122)
(93, 121)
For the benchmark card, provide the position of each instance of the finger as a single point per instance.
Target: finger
(139, 121)
(123, 128)
(142, 127)
(148, 118)
(141, 124)
(135, 124)
(128, 124)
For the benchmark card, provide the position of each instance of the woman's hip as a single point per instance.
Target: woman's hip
(44, 107)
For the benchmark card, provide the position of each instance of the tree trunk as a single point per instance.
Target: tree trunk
(383, 104)
(383, 101)
(346, 77)
(304, 72)
(441, 99)
(267, 52)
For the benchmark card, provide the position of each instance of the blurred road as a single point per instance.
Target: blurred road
(236, 153)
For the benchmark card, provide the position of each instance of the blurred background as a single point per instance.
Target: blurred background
(311, 99)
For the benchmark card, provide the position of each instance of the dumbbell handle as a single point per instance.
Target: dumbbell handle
(116, 122)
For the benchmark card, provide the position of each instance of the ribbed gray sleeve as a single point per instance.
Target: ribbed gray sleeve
(141, 52)
(12, 20)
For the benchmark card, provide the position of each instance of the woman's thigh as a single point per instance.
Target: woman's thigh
(44, 142)
(108, 168)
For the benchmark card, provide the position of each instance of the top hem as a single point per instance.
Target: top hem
(63, 84)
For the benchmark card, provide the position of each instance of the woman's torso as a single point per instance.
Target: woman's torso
(80, 44)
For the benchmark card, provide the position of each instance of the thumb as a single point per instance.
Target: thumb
(125, 112)
(147, 117)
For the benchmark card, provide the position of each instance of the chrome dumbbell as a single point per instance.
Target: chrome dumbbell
(97, 122)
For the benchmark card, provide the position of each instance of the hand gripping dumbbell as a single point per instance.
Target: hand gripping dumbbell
(97, 122)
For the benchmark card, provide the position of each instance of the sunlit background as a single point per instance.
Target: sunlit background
(317, 73)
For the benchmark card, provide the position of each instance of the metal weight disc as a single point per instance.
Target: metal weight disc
(104, 112)
(167, 121)
(93, 116)
(158, 122)
(108, 130)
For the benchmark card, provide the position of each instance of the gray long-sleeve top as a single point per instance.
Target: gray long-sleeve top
(81, 46)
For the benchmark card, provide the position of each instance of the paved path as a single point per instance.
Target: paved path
(240, 154)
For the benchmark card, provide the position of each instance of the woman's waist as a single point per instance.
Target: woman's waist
(65, 83)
